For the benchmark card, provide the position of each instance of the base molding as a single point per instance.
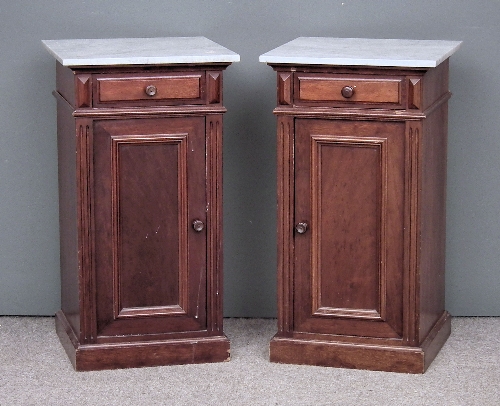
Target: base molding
(373, 357)
(93, 357)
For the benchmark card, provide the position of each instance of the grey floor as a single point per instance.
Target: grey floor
(34, 370)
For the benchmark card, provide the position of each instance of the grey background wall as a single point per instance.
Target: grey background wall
(29, 250)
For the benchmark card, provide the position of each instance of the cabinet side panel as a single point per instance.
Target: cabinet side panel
(65, 83)
(68, 226)
(433, 220)
(435, 84)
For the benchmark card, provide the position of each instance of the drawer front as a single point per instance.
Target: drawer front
(333, 89)
(150, 89)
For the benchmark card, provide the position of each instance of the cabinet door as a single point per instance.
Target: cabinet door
(150, 257)
(349, 262)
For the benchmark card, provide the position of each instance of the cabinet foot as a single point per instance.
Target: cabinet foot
(373, 357)
(93, 357)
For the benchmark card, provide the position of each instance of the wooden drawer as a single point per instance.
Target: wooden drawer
(348, 89)
(140, 90)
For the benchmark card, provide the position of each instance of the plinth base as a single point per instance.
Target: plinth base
(362, 356)
(93, 357)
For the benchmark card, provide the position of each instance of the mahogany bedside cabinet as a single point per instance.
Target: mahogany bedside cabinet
(140, 192)
(362, 133)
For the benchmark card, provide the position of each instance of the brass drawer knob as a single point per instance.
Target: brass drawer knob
(347, 91)
(301, 228)
(151, 90)
(198, 225)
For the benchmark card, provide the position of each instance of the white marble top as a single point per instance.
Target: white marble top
(361, 51)
(138, 51)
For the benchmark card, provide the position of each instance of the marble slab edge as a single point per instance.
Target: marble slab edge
(139, 51)
(362, 52)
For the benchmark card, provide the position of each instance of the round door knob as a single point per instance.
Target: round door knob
(301, 228)
(150, 90)
(198, 225)
(347, 91)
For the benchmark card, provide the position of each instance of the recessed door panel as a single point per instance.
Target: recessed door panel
(150, 262)
(149, 190)
(349, 190)
(346, 210)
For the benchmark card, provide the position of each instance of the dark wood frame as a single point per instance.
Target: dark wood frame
(81, 117)
(421, 113)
